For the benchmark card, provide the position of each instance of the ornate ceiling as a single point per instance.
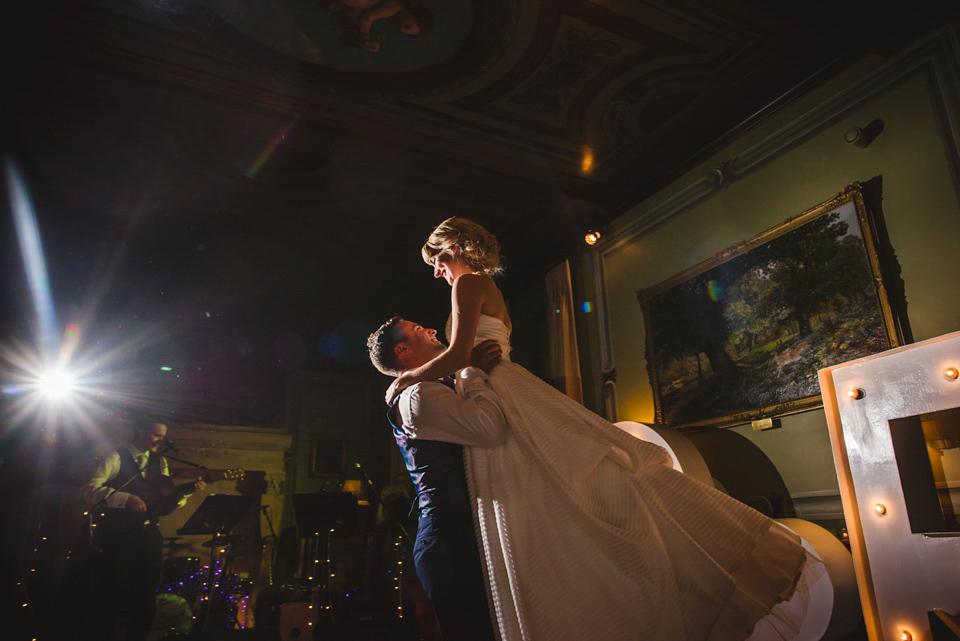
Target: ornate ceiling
(240, 156)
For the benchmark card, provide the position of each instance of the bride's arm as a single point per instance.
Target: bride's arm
(467, 298)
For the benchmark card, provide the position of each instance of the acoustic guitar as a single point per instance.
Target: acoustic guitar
(160, 494)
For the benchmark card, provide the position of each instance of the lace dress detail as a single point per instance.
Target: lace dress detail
(589, 533)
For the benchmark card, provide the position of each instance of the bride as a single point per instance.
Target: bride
(586, 531)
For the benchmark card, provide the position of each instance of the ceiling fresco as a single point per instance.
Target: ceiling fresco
(314, 33)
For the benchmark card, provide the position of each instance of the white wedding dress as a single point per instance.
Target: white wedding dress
(587, 532)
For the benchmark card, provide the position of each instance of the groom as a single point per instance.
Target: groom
(432, 421)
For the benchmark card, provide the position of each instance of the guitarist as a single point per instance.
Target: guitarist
(130, 557)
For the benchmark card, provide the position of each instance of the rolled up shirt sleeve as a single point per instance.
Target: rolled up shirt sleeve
(95, 489)
(471, 415)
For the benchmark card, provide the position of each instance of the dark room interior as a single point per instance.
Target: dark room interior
(210, 204)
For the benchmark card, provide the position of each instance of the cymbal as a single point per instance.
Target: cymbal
(228, 539)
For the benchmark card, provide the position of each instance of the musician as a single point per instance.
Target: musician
(130, 558)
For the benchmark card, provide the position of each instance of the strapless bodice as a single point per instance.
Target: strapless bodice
(489, 327)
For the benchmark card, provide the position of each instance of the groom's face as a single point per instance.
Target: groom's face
(419, 343)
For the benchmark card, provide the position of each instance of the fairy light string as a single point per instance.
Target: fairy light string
(399, 578)
(328, 597)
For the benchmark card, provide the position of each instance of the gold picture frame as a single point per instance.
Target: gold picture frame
(741, 336)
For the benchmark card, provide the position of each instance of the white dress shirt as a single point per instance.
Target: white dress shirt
(95, 490)
(471, 415)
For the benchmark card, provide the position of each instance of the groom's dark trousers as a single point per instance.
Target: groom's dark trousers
(446, 555)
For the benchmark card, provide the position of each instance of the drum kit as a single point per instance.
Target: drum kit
(197, 595)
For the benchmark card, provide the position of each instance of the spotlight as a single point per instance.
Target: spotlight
(592, 237)
(55, 384)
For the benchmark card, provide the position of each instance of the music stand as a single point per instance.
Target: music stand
(218, 514)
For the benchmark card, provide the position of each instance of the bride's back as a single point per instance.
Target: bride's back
(493, 303)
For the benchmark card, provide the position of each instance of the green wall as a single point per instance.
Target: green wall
(920, 206)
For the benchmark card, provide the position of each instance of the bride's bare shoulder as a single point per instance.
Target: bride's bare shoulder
(480, 286)
(475, 282)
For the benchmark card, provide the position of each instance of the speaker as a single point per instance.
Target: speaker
(297, 621)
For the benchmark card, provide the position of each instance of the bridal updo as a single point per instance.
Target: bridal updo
(478, 247)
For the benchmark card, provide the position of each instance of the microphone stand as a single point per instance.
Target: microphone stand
(184, 461)
(273, 534)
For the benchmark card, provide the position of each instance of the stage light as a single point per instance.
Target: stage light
(55, 384)
(592, 237)
(587, 161)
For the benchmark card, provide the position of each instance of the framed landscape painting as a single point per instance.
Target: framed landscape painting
(742, 335)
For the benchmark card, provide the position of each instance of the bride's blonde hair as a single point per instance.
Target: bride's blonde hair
(478, 247)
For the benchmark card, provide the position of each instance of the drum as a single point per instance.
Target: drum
(182, 575)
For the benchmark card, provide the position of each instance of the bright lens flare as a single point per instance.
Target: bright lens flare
(72, 380)
(714, 290)
(28, 234)
(56, 384)
(271, 147)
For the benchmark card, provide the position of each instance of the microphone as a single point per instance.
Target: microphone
(168, 446)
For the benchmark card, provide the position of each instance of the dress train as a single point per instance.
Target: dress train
(588, 532)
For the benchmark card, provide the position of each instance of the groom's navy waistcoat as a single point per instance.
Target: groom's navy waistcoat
(436, 468)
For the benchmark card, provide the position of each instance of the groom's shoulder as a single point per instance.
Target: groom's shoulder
(424, 391)
(427, 387)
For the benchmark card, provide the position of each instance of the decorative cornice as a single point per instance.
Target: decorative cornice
(219, 437)
(937, 55)
(214, 444)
